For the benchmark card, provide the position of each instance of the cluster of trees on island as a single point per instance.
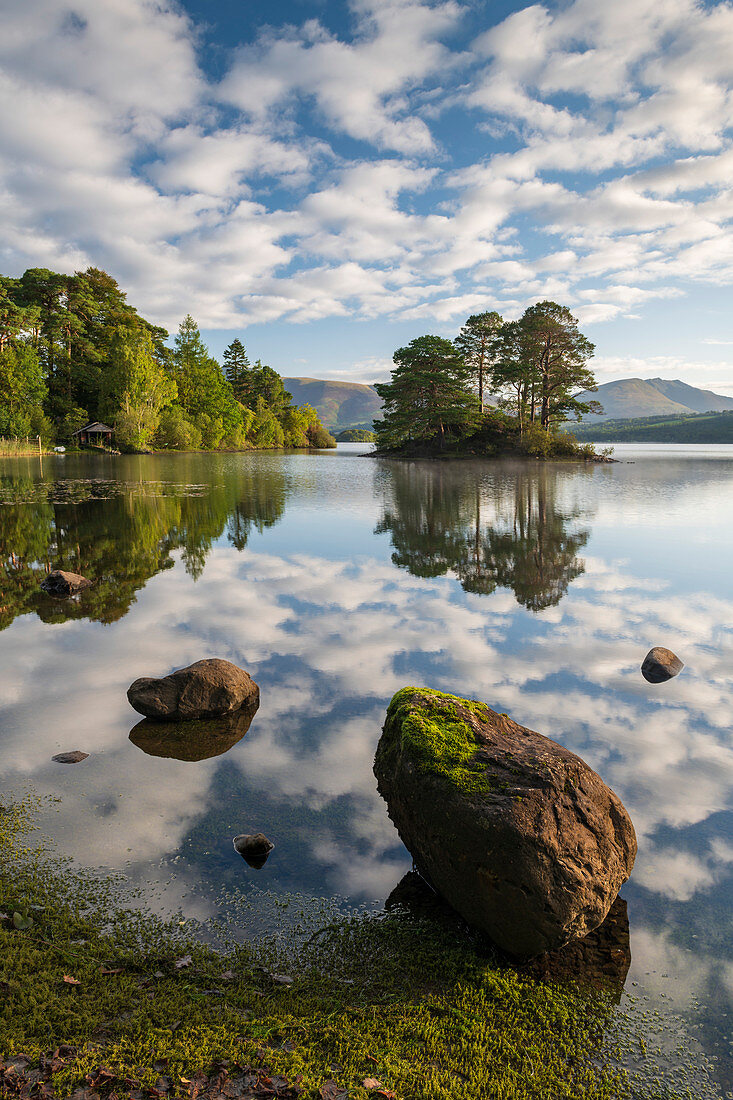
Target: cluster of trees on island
(72, 350)
(534, 369)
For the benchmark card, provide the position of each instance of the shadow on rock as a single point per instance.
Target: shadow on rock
(600, 959)
(193, 740)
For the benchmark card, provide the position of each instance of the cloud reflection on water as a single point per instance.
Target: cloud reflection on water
(330, 638)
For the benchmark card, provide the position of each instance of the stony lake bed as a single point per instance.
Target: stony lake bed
(335, 581)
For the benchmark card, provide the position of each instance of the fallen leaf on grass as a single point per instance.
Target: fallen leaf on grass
(372, 1084)
(331, 1091)
(113, 970)
(71, 981)
(185, 961)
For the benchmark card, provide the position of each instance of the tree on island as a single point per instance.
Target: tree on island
(429, 396)
(541, 361)
(475, 343)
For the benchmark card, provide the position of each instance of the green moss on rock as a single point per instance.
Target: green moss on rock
(434, 731)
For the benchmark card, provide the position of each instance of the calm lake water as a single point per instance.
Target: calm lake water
(336, 579)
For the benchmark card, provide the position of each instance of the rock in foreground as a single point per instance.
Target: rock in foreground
(661, 664)
(206, 689)
(61, 583)
(516, 832)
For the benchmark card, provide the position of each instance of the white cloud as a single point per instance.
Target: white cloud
(600, 176)
(358, 86)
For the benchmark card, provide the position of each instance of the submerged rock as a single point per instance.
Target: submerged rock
(661, 664)
(516, 832)
(206, 689)
(254, 848)
(61, 583)
(198, 739)
(74, 757)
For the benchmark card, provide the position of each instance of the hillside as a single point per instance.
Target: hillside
(339, 404)
(641, 397)
(343, 405)
(694, 428)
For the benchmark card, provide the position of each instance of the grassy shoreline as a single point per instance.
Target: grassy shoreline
(382, 997)
(136, 1006)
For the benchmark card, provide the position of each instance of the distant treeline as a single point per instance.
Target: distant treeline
(695, 428)
(72, 350)
(356, 435)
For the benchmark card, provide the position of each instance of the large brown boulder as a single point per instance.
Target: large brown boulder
(206, 689)
(516, 832)
(62, 583)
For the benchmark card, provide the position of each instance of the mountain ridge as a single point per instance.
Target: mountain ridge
(630, 398)
(342, 405)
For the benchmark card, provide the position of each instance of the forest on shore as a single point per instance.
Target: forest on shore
(73, 351)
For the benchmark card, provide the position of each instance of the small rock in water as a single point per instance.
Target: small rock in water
(254, 848)
(661, 664)
(74, 757)
(61, 583)
(206, 689)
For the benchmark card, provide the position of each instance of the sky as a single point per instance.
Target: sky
(329, 180)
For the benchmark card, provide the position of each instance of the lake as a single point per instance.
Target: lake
(335, 579)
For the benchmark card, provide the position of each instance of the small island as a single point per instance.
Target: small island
(535, 369)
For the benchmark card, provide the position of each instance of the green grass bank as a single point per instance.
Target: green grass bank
(125, 1004)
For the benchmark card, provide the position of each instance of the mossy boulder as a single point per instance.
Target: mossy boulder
(516, 832)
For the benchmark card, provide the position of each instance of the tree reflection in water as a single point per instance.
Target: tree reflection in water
(119, 534)
(512, 531)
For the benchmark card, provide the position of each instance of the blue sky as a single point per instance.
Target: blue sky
(329, 180)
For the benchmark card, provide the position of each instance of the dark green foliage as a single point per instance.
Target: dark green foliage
(429, 399)
(236, 368)
(475, 343)
(355, 435)
(72, 350)
(22, 391)
(204, 393)
(261, 382)
(539, 362)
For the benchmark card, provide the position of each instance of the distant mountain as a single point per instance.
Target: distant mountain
(343, 405)
(339, 404)
(638, 397)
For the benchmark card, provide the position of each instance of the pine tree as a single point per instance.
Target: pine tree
(236, 368)
(474, 343)
(428, 397)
